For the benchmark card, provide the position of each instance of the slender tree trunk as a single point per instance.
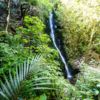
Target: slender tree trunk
(8, 16)
(92, 35)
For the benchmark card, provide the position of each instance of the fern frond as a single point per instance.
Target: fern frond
(12, 83)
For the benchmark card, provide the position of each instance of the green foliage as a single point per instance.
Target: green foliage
(86, 88)
(43, 7)
(12, 52)
(88, 85)
(28, 41)
(35, 38)
(33, 32)
(80, 27)
(41, 78)
(12, 86)
(42, 97)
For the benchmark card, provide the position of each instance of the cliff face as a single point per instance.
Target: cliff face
(3, 14)
(17, 13)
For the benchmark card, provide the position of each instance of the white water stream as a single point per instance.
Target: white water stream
(69, 76)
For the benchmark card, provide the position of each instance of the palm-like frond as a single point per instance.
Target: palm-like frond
(10, 88)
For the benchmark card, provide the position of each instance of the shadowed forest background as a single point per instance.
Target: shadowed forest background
(30, 65)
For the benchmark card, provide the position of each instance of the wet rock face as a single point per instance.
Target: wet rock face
(17, 13)
(3, 8)
(3, 13)
(14, 13)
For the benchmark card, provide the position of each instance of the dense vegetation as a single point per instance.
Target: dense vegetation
(31, 68)
(80, 21)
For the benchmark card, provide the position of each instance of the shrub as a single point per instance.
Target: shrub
(79, 27)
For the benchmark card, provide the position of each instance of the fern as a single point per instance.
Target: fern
(11, 87)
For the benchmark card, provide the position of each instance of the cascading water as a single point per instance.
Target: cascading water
(69, 76)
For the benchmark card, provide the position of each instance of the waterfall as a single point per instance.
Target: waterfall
(69, 76)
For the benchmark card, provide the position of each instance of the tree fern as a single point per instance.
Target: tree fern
(11, 87)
